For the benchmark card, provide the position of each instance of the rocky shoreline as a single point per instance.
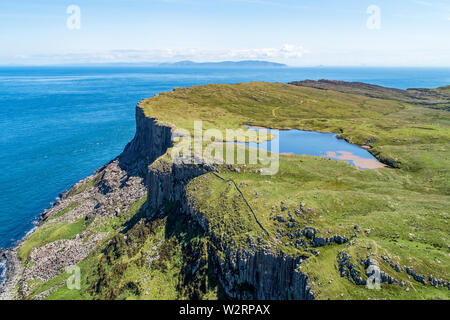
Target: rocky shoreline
(11, 273)
(3, 268)
(12, 266)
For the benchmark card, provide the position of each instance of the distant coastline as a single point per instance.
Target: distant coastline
(178, 64)
(225, 64)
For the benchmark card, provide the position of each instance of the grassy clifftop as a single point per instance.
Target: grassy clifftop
(399, 217)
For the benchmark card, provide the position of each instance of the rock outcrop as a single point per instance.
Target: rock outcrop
(152, 139)
(262, 275)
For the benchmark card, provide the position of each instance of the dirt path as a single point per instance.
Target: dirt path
(273, 111)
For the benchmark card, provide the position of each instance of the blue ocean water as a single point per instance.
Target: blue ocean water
(59, 124)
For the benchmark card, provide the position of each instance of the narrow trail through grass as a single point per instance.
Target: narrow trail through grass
(246, 201)
(274, 110)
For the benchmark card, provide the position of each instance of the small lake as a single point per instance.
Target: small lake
(299, 142)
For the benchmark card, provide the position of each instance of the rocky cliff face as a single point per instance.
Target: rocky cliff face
(262, 275)
(252, 273)
(151, 141)
(166, 181)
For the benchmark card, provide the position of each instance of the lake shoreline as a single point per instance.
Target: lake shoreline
(316, 143)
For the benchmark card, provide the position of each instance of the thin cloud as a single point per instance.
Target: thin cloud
(439, 6)
(423, 3)
(286, 52)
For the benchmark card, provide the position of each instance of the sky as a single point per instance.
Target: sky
(295, 32)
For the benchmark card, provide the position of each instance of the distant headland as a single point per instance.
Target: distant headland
(183, 64)
(226, 64)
